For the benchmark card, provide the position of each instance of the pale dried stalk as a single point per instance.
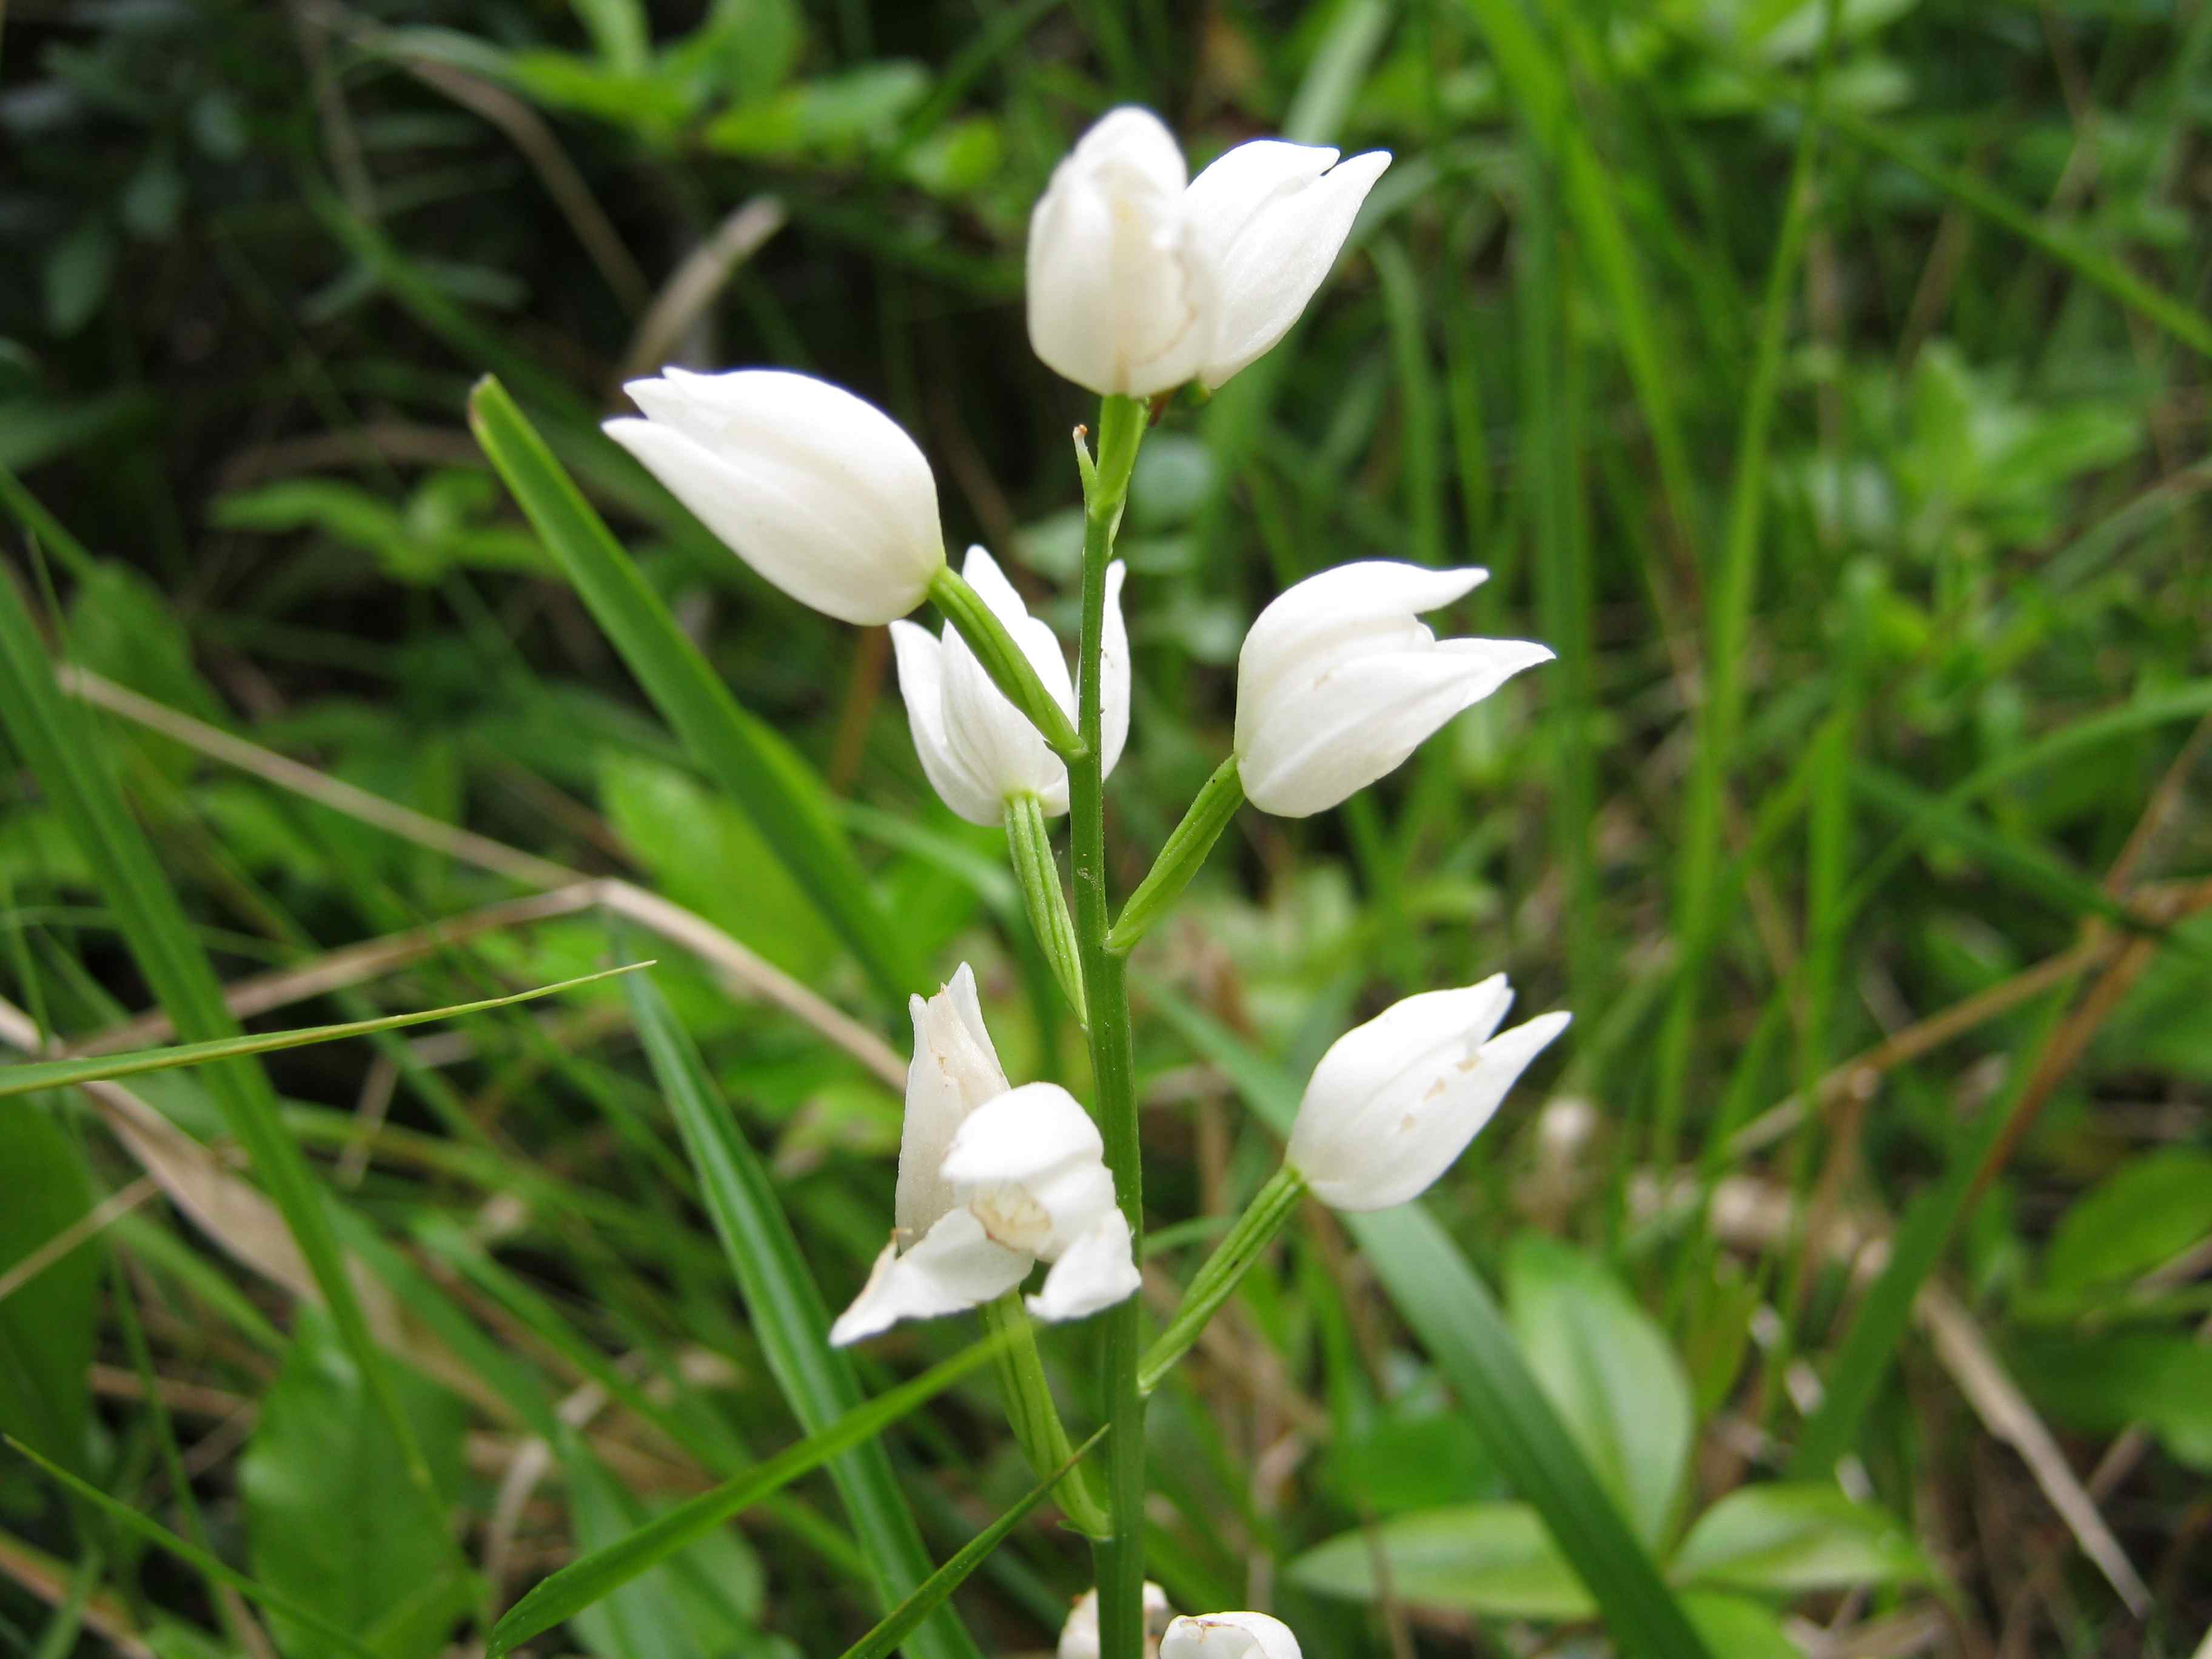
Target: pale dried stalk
(695, 283)
(94, 1220)
(47, 1579)
(743, 973)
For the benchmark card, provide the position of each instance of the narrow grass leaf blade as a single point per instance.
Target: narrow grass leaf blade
(208, 1566)
(895, 1629)
(583, 1582)
(1439, 1295)
(718, 734)
(788, 1316)
(68, 1074)
(68, 759)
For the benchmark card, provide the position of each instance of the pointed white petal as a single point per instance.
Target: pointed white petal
(1024, 1134)
(1269, 259)
(1096, 1271)
(954, 1071)
(955, 1268)
(921, 685)
(1229, 1636)
(1113, 674)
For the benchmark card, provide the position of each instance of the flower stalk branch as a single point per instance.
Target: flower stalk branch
(1003, 661)
(1029, 847)
(1033, 1416)
(1217, 1281)
(1186, 850)
(1120, 1555)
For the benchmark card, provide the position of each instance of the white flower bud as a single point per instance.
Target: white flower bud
(1337, 683)
(1078, 1637)
(1396, 1101)
(991, 1181)
(1139, 281)
(1229, 1636)
(819, 491)
(976, 748)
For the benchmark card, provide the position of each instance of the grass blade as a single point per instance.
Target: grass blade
(70, 762)
(733, 747)
(67, 1073)
(788, 1312)
(1449, 1307)
(583, 1582)
(208, 1566)
(933, 1590)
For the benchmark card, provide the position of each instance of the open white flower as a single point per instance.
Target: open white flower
(1229, 1636)
(818, 490)
(1078, 1637)
(991, 1180)
(1138, 281)
(976, 748)
(1396, 1101)
(1337, 683)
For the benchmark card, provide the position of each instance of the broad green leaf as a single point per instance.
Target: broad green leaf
(756, 769)
(63, 752)
(211, 1567)
(2155, 1207)
(1439, 1295)
(689, 841)
(1792, 1539)
(68, 1074)
(331, 1520)
(835, 116)
(1609, 1370)
(789, 1316)
(2160, 1027)
(1492, 1558)
(584, 1582)
(2101, 1384)
(703, 1600)
(46, 1322)
(1741, 1629)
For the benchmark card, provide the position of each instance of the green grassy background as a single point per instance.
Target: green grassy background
(1825, 383)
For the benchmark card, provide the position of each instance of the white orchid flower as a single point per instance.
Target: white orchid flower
(1139, 281)
(976, 748)
(991, 1180)
(1395, 1102)
(1078, 1637)
(1229, 1636)
(819, 491)
(1337, 683)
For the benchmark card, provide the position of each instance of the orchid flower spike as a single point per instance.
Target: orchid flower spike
(1337, 683)
(1229, 1636)
(1078, 1637)
(1138, 281)
(975, 746)
(1395, 1102)
(821, 492)
(991, 1180)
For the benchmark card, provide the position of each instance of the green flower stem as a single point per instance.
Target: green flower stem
(1002, 659)
(1179, 860)
(1028, 844)
(1035, 1420)
(1119, 1557)
(1217, 1281)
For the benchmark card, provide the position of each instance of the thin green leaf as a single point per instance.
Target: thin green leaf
(69, 761)
(788, 1316)
(207, 1565)
(1449, 1307)
(68, 1074)
(585, 1581)
(902, 1618)
(733, 747)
